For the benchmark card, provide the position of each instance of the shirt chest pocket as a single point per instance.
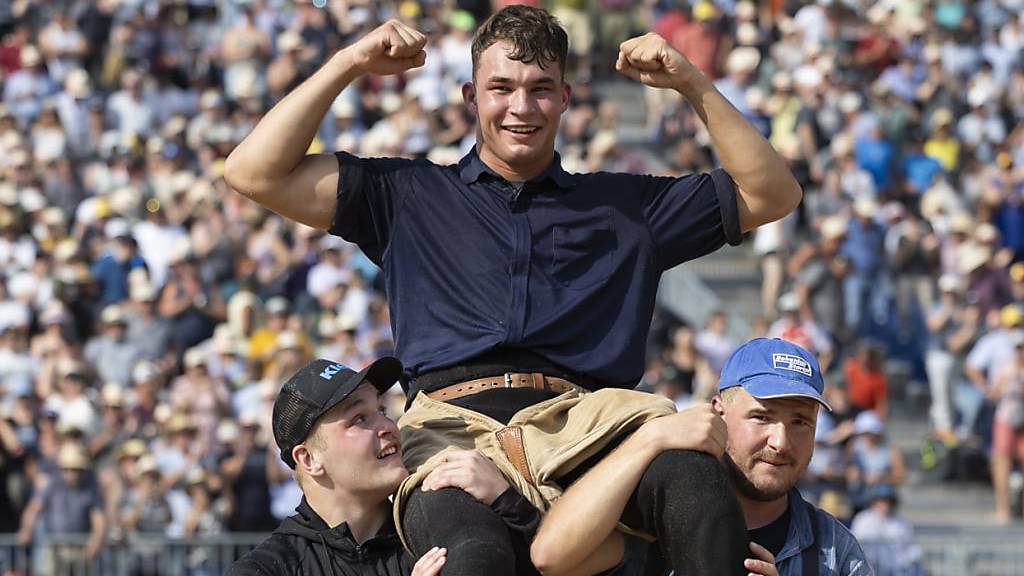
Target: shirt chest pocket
(583, 252)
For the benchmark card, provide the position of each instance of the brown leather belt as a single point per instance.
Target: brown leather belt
(535, 380)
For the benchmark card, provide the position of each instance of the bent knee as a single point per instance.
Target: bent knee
(690, 470)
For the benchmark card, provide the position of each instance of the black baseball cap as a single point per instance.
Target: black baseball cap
(316, 388)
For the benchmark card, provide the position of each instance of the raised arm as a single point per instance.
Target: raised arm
(577, 534)
(271, 167)
(767, 190)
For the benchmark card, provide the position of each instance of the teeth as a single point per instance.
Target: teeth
(387, 453)
(519, 130)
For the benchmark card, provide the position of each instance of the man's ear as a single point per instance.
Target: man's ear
(566, 95)
(718, 405)
(469, 97)
(307, 461)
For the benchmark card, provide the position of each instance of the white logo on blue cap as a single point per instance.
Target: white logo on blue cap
(792, 363)
(331, 370)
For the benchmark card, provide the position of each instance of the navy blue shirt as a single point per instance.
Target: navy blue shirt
(565, 266)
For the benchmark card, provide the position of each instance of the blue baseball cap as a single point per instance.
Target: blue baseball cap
(773, 368)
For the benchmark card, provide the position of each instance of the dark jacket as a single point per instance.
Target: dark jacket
(305, 545)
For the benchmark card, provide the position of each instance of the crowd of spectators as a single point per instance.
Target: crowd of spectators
(148, 313)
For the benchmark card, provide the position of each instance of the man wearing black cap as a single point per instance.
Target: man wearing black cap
(330, 426)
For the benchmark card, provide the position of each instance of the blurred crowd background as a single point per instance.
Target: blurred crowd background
(149, 314)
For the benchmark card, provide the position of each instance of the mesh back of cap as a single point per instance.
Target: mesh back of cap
(293, 419)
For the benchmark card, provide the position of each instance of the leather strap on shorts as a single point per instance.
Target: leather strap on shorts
(534, 380)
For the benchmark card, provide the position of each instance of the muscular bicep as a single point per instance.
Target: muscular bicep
(309, 194)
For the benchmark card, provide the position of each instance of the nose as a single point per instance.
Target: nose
(521, 101)
(778, 438)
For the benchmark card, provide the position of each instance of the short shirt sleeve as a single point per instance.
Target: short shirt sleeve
(692, 215)
(370, 194)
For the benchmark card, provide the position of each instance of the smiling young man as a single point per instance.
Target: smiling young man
(521, 295)
(330, 426)
(761, 425)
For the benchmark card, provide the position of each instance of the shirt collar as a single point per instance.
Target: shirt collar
(471, 167)
(801, 533)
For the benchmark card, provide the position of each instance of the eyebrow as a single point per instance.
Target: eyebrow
(504, 80)
(355, 403)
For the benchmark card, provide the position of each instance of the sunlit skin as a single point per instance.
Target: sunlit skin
(509, 95)
(354, 436)
(770, 444)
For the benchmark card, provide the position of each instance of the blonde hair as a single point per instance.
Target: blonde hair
(729, 394)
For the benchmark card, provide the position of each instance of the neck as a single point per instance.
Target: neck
(509, 172)
(364, 516)
(759, 514)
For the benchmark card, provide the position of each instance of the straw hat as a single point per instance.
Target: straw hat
(972, 257)
(72, 457)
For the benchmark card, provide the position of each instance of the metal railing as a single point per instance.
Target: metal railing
(972, 551)
(940, 553)
(137, 555)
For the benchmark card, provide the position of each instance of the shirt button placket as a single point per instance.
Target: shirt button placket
(519, 267)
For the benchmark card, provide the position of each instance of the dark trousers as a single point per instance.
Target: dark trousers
(684, 498)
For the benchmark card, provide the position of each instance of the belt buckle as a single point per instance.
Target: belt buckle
(508, 379)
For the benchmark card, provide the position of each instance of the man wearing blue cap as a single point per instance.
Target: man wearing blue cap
(769, 395)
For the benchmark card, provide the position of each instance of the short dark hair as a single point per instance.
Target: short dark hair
(535, 36)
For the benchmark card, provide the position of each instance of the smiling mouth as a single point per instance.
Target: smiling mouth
(389, 451)
(524, 130)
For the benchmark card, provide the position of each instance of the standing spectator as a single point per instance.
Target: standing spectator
(202, 396)
(818, 271)
(874, 461)
(244, 472)
(991, 351)
(112, 352)
(147, 329)
(1008, 425)
(886, 535)
(111, 271)
(714, 342)
(798, 325)
(69, 505)
(25, 89)
(191, 304)
(864, 292)
(245, 49)
(945, 321)
(69, 402)
(63, 45)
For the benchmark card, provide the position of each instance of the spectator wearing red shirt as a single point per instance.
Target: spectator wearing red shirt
(866, 385)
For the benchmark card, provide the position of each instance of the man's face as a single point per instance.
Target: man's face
(361, 453)
(518, 107)
(770, 442)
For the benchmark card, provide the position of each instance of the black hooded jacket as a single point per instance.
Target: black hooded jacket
(304, 544)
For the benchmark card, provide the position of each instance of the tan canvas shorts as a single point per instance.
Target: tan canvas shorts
(540, 444)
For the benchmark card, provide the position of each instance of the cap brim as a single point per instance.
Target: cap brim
(772, 387)
(382, 374)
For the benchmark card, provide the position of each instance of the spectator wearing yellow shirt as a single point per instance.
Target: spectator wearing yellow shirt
(943, 144)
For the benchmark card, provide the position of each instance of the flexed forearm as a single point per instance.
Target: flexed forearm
(767, 188)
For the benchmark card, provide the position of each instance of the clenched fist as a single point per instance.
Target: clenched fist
(649, 59)
(391, 48)
(696, 428)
